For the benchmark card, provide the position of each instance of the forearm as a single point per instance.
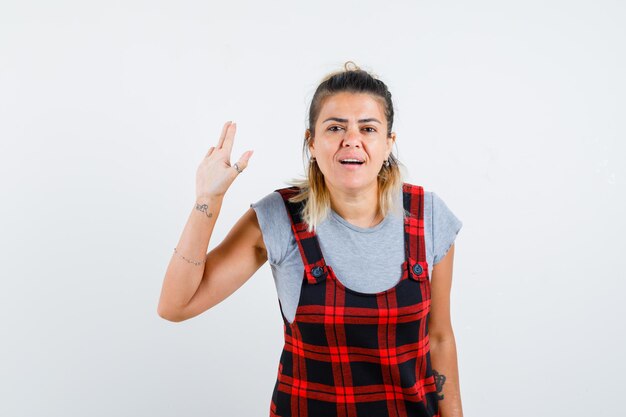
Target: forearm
(186, 268)
(444, 362)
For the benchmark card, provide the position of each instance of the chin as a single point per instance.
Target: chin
(354, 183)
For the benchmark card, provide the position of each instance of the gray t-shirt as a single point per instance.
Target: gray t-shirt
(366, 260)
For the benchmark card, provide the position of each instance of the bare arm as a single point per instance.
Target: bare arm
(442, 344)
(195, 281)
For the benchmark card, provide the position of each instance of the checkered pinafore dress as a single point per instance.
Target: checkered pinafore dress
(352, 354)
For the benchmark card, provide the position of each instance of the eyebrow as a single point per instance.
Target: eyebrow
(337, 119)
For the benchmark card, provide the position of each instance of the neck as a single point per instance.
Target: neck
(358, 207)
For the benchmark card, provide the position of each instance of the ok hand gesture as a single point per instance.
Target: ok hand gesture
(215, 173)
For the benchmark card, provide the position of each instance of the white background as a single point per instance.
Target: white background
(512, 112)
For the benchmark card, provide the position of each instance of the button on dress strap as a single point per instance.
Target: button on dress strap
(413, 201)
(314, 264)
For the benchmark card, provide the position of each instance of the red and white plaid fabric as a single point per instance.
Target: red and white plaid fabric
(352, 354)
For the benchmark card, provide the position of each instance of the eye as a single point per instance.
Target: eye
(334, 128)
(369, 129)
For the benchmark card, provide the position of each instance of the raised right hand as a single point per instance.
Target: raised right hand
(215, 173)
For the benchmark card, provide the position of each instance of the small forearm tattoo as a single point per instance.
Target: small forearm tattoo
(439, 380)
(204, 208)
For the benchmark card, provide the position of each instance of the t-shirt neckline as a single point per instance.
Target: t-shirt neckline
(356, 228)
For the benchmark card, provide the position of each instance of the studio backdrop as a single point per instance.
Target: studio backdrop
(512, 112)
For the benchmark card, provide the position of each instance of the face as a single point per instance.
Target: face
(351, 142)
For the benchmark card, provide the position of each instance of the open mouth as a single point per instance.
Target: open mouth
(351, 161)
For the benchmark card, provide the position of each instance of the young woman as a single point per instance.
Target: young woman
(362, 263)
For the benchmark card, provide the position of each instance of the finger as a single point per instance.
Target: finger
(211, 149)
(223, 134)
(242, 163)
(227, 144)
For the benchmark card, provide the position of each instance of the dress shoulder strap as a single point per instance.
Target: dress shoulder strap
(314, 264)
(415, 244)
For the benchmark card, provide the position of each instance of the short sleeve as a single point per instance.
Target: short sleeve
(275, 226)
(445, 228)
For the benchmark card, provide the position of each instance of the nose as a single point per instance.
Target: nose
(351, 138)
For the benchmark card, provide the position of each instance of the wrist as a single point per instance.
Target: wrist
(209, 199)
(208, 205)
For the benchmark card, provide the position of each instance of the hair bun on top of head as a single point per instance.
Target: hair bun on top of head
(351, 66)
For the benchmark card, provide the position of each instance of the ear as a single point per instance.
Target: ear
(390, 141)
(310, 142)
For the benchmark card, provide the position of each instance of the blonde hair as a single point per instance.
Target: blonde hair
(313, 189)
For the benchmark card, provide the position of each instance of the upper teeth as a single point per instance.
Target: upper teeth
(350, 160)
